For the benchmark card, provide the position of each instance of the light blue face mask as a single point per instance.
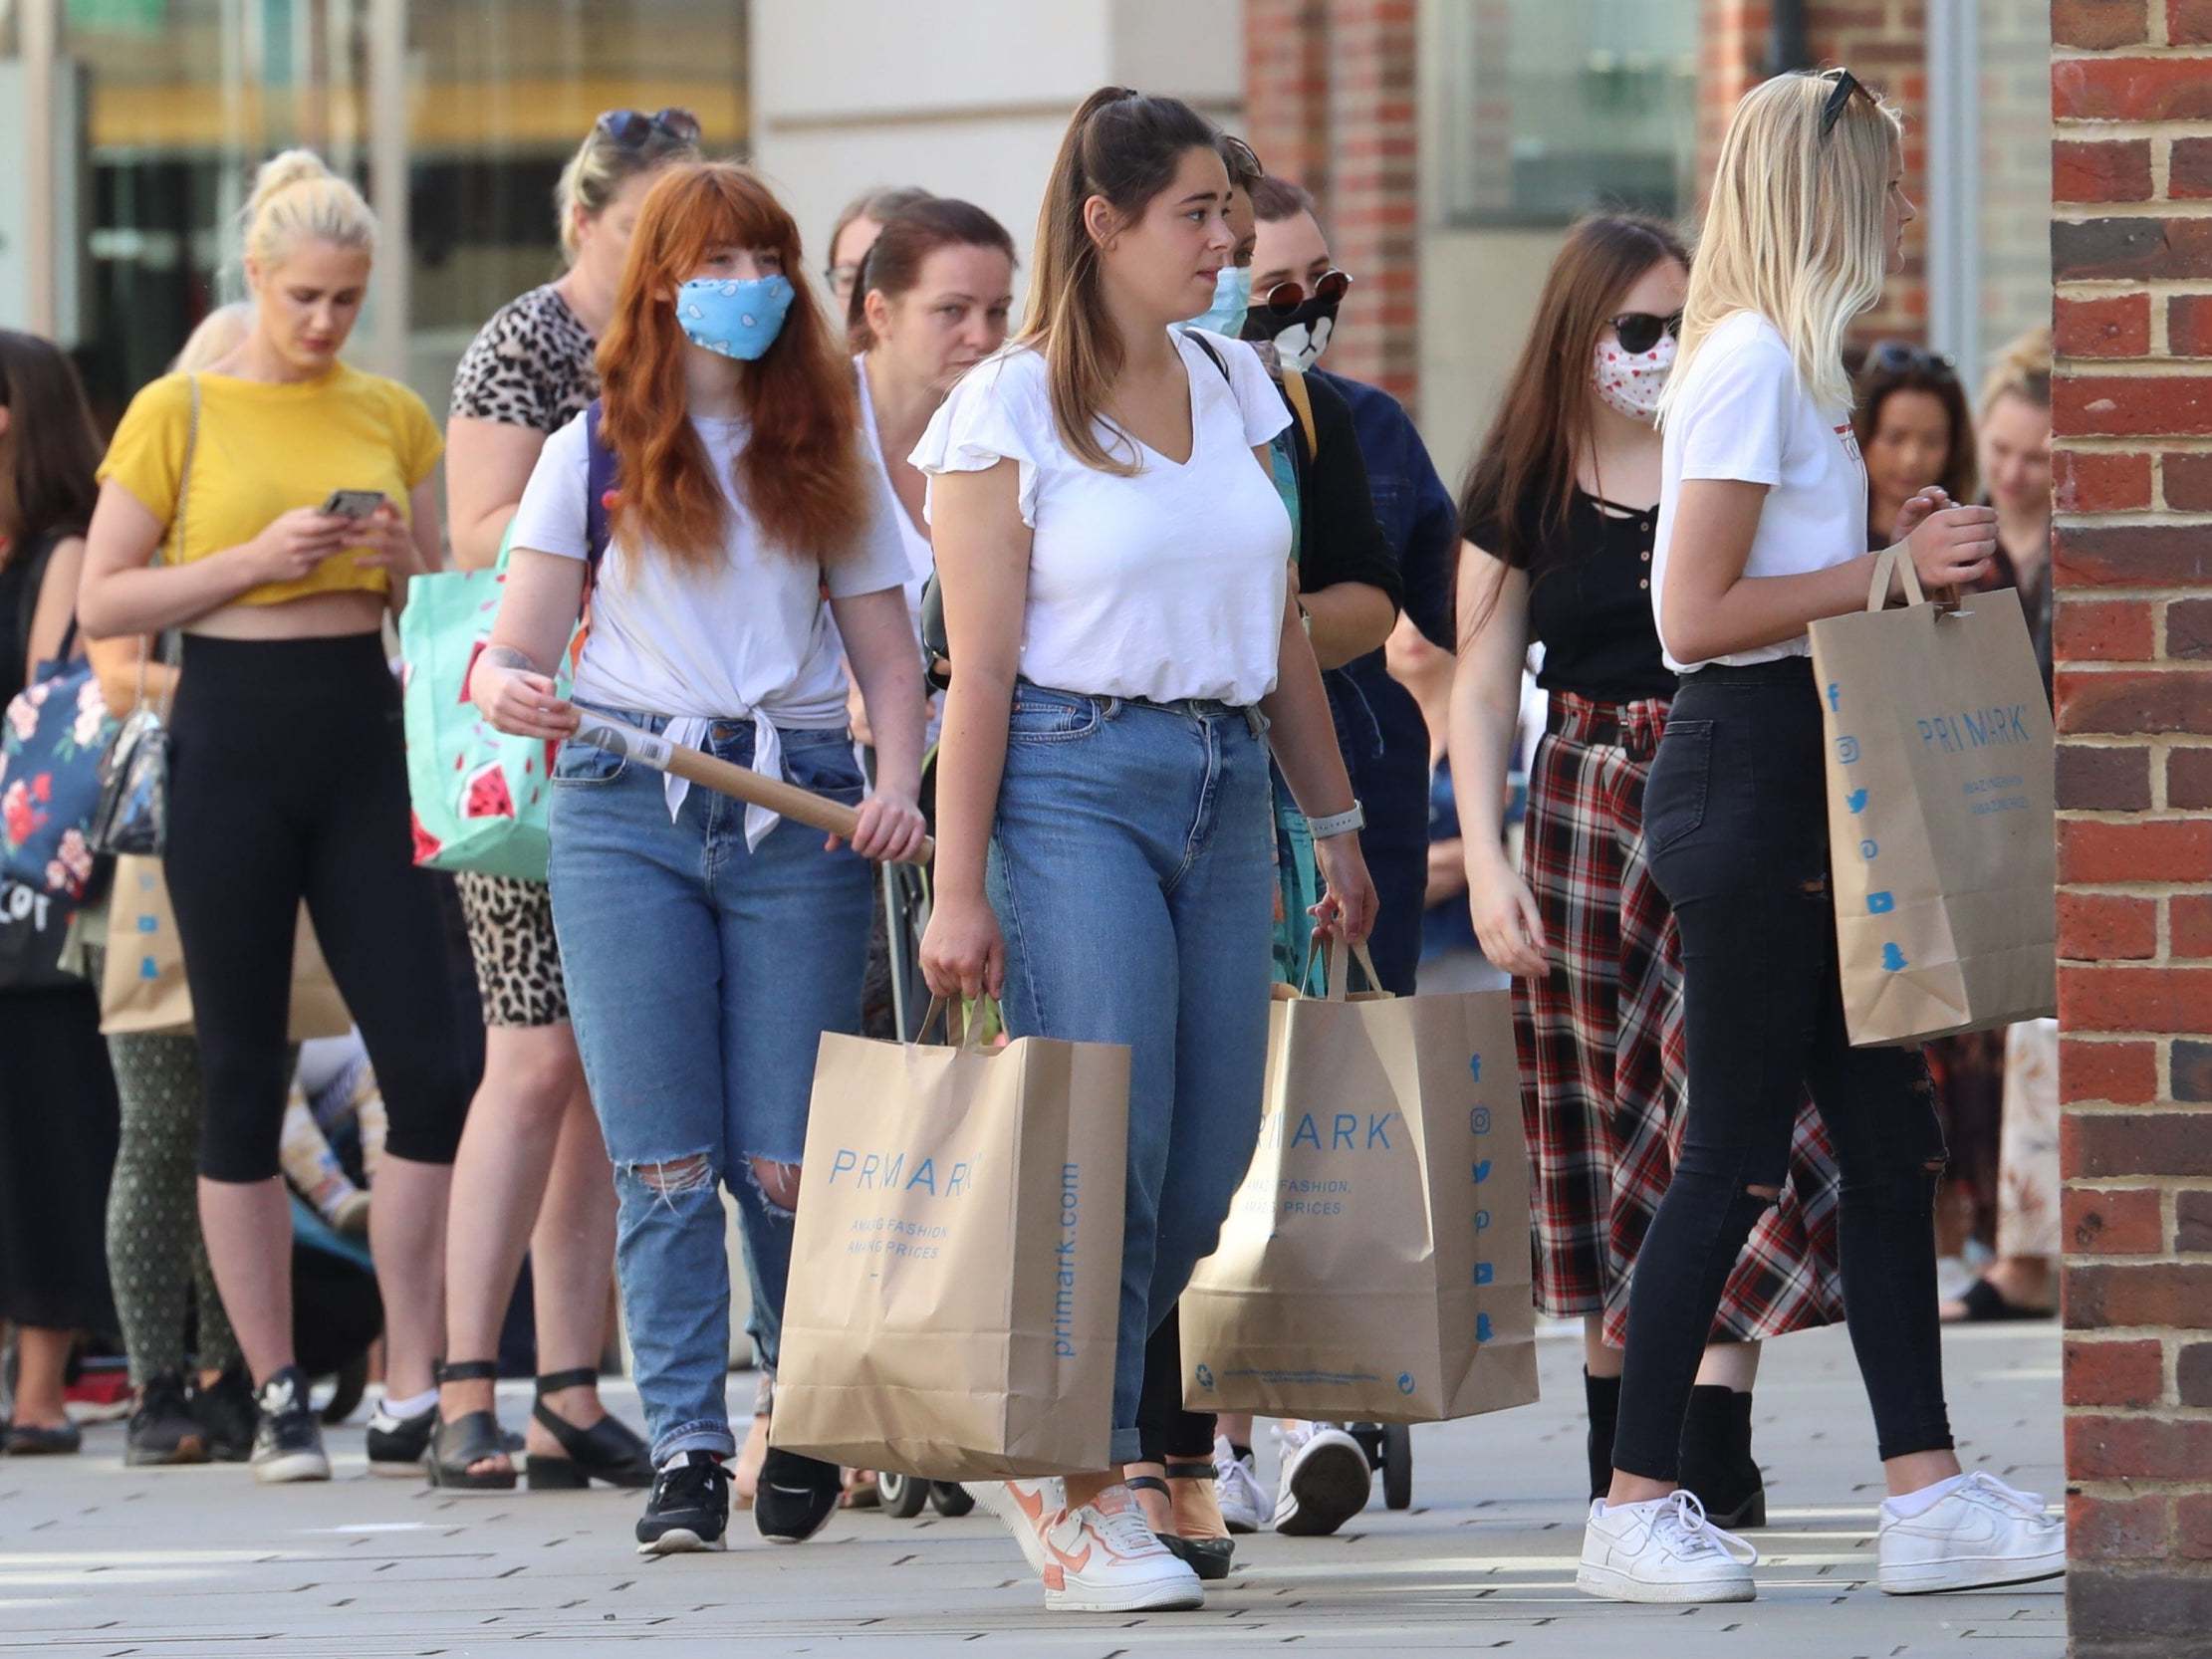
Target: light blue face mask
(1231, 297)
(735, 317)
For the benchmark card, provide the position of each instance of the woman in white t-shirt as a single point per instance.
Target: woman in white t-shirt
(1115, 561)
(1762, 532)
(708, 944)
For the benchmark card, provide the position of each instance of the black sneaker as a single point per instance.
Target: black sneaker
(399, 1444)
(286, 1440)
(688, 1507)
(225, 1411)
(797, 1496)
(162, 1428)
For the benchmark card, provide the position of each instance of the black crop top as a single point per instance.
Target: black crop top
(1589, 604)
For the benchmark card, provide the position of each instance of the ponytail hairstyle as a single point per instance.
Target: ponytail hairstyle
(800, 473)
(1794, 227)
(2022, 371)
(1124, 146)
(296, 198)
(602, 165)
(1523, 477)
(49, 451)
(893, 266)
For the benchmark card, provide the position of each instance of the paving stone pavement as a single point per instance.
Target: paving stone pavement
(98, 1562)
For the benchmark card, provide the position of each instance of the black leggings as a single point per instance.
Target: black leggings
(287, 780)
(1166, 1432)
(1735, 818)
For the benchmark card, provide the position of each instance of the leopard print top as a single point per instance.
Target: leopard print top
(530, 366)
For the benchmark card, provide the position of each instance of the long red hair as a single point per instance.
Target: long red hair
(800, 473)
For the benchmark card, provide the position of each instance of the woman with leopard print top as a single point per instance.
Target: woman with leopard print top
(533, 1174)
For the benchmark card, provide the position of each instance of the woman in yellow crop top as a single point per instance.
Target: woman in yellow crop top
(288, 779)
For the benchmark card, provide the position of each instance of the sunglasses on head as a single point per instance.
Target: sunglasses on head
(634, 130)
(1847, 87)
(1639, 331)
(1286, 297)
(1897, 356)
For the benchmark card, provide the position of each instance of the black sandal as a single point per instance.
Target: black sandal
(1208, 1557)
(609, 1450)
(1984, 1303)
(469, 1439)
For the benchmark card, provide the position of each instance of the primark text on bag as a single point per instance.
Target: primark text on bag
(1941, 812)
(956, 1258)
(1375, 1264)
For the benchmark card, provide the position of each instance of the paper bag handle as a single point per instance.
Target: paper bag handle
(1899, 559)
(949, 1012)
(1337, 977)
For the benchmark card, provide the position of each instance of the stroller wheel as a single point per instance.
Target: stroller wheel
(903, 1495)
(950, 1499)
(1397, 1466)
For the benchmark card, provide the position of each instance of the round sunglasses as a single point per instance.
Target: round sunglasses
(1898, 357)
(1639, 331)
(1286, 297)
(633, 129)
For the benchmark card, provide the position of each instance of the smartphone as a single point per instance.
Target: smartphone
(354, 504)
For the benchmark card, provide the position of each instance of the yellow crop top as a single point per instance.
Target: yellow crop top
(264, 449)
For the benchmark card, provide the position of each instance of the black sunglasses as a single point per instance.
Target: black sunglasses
(1898, 357)
(1847, 87)
(634, 130)
(1286, 297)
(1639, 331)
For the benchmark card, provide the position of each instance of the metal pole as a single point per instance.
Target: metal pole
(387, 179)
(40, 41)
(1953, 211)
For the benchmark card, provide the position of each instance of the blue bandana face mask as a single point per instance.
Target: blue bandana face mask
(737, 317)
(1231, 297)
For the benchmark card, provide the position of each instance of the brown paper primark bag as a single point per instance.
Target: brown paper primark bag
(1375, 1264)
(1940, 814)
(956, 1264)
(143, 988)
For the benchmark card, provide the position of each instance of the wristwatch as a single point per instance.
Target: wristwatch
(1338, 824)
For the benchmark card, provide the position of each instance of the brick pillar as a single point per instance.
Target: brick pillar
(2131, 233)
(1330, 101)
(1883, 43)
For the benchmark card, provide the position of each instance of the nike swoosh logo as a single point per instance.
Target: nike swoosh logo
(1032, 1508)
(1074, 1563)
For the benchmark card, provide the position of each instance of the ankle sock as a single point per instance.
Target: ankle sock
(695, 1455)
(414, 1405)
(1243, 1454)
(1914, 1503)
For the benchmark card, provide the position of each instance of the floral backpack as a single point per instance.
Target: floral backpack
(57, 733)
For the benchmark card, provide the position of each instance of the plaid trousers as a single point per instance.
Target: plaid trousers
(1604, 1053)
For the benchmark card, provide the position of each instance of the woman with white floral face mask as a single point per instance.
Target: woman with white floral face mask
(1559, 513)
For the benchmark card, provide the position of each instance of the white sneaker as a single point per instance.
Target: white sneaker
(1324, 1482)
(1025, 1508)
(1663, 1551)
(1104, 1558)
(1979, 1534)
(1237, 1489)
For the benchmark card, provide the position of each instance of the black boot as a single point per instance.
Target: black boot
(1717, 1463)
(1604, 1397)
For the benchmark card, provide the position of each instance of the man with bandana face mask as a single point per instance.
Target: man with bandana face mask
(1385, 739)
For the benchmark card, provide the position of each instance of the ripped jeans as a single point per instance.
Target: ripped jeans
(1735, 821)
(700, 978)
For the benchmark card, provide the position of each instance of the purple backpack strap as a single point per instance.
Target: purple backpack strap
(599, 484)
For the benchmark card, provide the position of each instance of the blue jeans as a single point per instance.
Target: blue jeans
(1133, 871)
(700, 979)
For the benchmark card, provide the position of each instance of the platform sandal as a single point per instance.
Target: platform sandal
(469, 1439)
(609, 1450)
(1210, 1558)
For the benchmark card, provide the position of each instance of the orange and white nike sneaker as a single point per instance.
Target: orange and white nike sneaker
(1101, 1557)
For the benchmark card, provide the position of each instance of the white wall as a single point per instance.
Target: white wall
(967, 101)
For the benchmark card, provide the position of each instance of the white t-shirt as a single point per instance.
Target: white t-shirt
(749, 636)
(1163, 584)
(918, 557)
(1743, 413)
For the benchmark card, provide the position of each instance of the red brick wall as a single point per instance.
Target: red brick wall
(1330, 101)
(2132, 238)
(1881, 42)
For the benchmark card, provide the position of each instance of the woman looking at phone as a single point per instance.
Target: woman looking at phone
(287, 775)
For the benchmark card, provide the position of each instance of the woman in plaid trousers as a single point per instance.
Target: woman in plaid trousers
(1559, 513)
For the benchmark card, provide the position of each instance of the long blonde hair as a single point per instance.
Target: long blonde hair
(1795, 228)
(1124, 146)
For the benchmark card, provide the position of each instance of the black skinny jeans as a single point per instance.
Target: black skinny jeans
(1735, 818)
(288, 780)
